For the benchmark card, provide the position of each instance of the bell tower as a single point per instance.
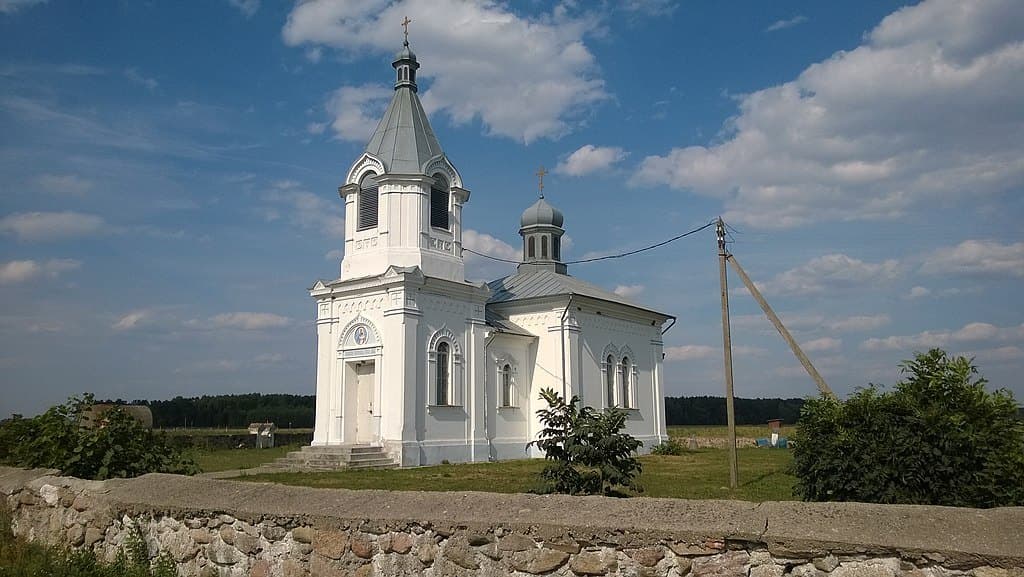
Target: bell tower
(541, 229)
(403, 197)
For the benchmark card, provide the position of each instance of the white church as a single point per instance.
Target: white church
(417, 360)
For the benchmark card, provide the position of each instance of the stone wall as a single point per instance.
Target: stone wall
(224, 528)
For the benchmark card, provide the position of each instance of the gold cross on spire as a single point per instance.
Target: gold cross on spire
(405, 24)
(540, 184)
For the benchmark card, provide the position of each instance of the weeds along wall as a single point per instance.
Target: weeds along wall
(224, 528)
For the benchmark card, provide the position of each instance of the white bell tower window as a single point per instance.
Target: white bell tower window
(439, 201)
(367, 203)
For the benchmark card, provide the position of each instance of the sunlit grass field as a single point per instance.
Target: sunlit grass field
(700, 474)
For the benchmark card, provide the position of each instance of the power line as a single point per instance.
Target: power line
(606, 257)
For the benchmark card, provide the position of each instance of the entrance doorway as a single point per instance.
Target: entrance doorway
(361, 417)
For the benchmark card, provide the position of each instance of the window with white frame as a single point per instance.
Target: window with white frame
(609, 380)
(443, 375)
(444, 369)
(507, 391)
(367, 205)
(626, 382)
(439, 199)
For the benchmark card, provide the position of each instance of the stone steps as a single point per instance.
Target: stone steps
(334, 458)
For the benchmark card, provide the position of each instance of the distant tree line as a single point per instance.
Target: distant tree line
(711, 410)
(231, 411)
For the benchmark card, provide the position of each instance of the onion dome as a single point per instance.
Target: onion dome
(541, 214)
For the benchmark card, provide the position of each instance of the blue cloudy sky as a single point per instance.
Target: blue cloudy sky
(168, 176)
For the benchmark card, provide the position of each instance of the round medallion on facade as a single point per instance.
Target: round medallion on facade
(360, 335)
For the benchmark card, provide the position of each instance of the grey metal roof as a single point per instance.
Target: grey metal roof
(493, 319)
(543, 283)
(541, 213)
(404, 140)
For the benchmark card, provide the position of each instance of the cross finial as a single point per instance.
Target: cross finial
(540, 183)
(405, 24)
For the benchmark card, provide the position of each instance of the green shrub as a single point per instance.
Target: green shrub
(117, 446)
(588, 451)
(938, 438)
(668, 447)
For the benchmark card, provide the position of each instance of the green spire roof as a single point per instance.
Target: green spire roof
(404, 141)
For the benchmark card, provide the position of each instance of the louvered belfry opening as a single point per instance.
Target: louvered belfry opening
(439, 203)
(368, 202)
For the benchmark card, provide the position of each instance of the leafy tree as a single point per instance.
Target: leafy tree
(938, 438)
(587, 450)
(116, 446)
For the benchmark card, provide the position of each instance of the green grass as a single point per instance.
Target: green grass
(210, 460)
(701, 474)
(721, 431)
(21, 558)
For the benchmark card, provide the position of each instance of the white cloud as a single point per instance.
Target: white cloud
(335, 254)
(523, 77)
(64, 184)
(44, 226)
(978, 257)
(248, 321)
(859, 323)
(132, 320)
(971, 332)
(845, 141)
(248, 8)
(829, 272)
(786, 23)
(918, 292)
(357, 110)
(487, 244)
(696, 352)
(690, 352)
(135, 76)
(19, 271)
(12, 6)
(999, 354)
(629, 291)
(589, 159)
(305, 209)
(822, 344)
(316, 127)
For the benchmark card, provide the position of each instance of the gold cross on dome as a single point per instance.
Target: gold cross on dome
(405, 24)
(540, 184)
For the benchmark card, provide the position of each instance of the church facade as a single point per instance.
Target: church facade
(414, 358)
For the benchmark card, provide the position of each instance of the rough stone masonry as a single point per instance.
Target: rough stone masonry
(225, 528)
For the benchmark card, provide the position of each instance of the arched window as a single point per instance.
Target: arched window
(544, 247)
(609, 380)
(531, 247)
(439, 196)
(627, 372)
(506, 386)
(443, 377)
(366, 203)
(556, 248)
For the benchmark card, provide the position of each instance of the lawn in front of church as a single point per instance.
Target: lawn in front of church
(700, 474)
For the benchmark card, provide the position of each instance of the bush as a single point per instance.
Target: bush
(588, 451)
(939, 438)
(669, 447)
(117, 446)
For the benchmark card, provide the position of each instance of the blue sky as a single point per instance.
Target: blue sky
(168, 176)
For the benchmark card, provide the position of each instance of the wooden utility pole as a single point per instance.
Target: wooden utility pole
(806, 362)
(730, 412)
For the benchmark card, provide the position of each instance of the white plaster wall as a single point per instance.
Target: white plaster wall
(508, 428)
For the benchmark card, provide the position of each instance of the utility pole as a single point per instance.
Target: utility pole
(806, 362)
(730, 412)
